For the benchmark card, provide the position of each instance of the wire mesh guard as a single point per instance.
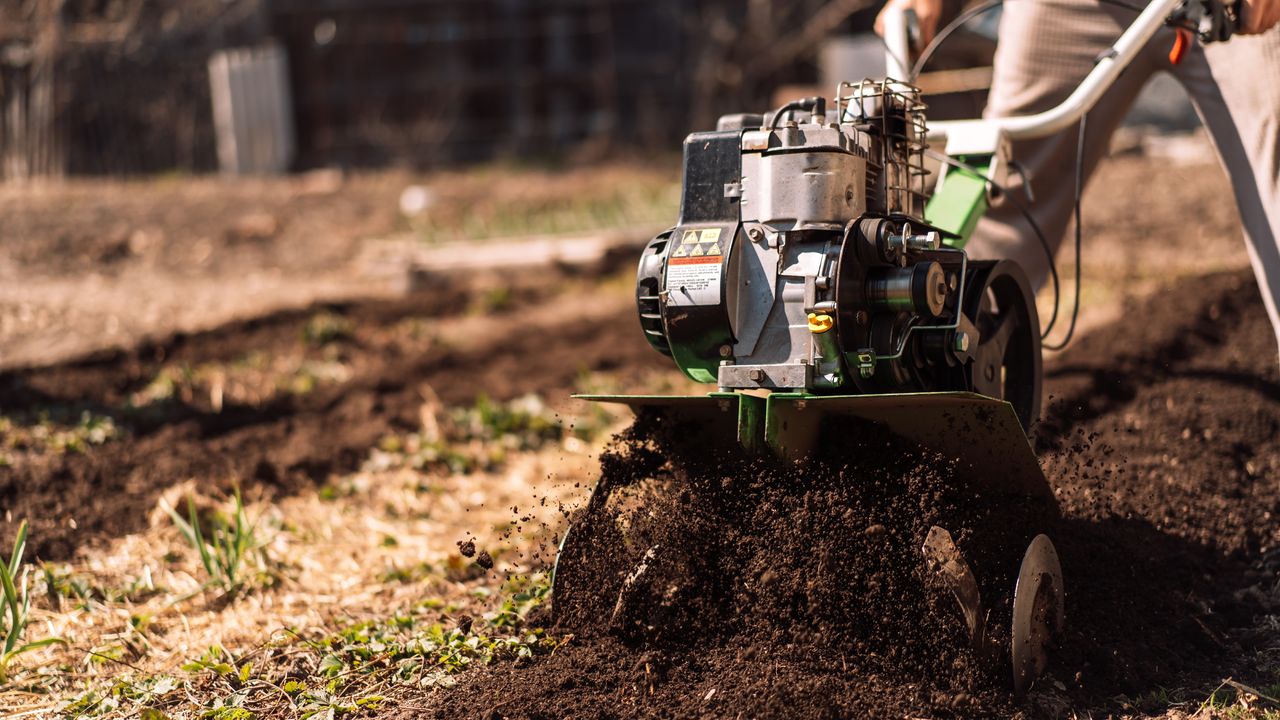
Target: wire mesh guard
(894, 116)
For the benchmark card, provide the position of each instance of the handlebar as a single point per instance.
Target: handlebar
(1217, 24)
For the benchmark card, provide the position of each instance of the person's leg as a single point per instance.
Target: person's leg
(1046, 48)
(1236, 88)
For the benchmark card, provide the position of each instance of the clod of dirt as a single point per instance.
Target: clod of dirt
(464, 624)
(484, 560)
(467, 548)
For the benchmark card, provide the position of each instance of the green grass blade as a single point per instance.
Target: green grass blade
(183, 526)
(19, 547)
(17, 621)
(201, 546)
(28, 647)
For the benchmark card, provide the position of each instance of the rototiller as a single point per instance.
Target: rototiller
(814, 274)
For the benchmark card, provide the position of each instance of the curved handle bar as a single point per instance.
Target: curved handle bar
(1110, 64)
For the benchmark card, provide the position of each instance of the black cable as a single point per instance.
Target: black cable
(1075, 307)
(946, 31)
(1048, 253)
(1026, 213)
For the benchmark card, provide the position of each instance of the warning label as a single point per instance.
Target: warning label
(696, 283)
(694, 270)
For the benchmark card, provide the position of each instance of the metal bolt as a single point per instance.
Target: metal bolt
(962, 342)
(917, 243)
(725, 351)
(861, 317)
(755, 234)
(755, 375)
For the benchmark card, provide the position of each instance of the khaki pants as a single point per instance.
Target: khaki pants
(1047, 46)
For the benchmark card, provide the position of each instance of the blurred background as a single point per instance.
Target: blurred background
(126, 87)
(170, 165)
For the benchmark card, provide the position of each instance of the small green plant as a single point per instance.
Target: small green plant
(1232, 700)
(230, 548)
(522, 595)
(17, 601)
(326, 327)
(491, 301)
(61, 583)
(124, 693)
(57, 431)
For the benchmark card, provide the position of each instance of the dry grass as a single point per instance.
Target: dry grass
(368, 564)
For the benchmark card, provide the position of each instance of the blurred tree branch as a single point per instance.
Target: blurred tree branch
(744, 44)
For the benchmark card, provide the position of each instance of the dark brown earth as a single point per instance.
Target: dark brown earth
(286, 441)
(785, 592)
(797, 595)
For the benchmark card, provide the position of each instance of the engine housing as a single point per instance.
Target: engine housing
(802, 261)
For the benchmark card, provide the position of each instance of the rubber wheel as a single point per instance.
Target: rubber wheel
(1006, 361)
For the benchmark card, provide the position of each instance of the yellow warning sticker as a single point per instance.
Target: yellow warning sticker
(695, 271)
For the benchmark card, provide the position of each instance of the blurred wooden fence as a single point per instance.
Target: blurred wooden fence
(252, 110)
(31, 143)
(123, 87)
(432, 81)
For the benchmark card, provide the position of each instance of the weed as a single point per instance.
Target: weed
(1234, 701)
(523, 595)
(125, 693)
(310, 375)
(164, 386)
(491, 301)
(343, 673)
(59, 583)
(413, 573)
(524, 423)
(479, 437)
(230, 707)
(231, 549)
(219, 662)
(17, 601)
(327, 327)
(56, 431)
(553, 204)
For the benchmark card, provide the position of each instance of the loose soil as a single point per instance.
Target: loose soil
(777, 592)
(774, 591)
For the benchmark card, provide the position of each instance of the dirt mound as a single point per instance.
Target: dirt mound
(755, 590)
(816, 566)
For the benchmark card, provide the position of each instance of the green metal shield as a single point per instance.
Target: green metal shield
(981, 434)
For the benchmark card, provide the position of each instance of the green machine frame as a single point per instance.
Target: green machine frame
(974, 430)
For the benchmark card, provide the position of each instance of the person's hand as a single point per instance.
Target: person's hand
(929, 12)
(1260, 16)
